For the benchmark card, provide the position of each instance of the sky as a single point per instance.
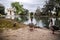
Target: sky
(31, 5)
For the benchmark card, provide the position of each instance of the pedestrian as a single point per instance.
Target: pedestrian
(51, 25)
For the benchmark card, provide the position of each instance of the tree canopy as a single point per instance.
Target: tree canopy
(2, 9)
(19, 7)
(50, 5)
(38, 11)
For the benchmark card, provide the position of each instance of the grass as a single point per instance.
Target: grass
(5, 23)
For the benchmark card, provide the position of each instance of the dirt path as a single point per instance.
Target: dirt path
(25, 34)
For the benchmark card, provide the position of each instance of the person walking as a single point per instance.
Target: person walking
(51, 25)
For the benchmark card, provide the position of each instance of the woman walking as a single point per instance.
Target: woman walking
(51, 25)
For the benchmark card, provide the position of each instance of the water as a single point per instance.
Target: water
(41, 21)
(38, 21)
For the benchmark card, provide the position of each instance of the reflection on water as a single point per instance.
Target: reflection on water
(29, 21)
(41, 21)
(21, 18)
(57, 22)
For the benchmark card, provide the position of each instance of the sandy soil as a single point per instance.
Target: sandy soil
(26, 34)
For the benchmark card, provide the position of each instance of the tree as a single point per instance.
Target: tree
(2, 9)
(19, 7)
(49, 6)
(57, 6)
(57, 1)
(26, 11)
(38, 11)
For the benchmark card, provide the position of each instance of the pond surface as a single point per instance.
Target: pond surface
(39, 21)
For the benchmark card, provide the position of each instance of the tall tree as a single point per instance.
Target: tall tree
(2, 8)
(38, 11)
(26, 11)
(57, 6)
(19, 7)
(49, 6)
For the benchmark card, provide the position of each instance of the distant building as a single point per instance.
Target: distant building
(2, 9)
(10, 13)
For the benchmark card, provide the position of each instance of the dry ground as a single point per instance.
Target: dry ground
(26, 34)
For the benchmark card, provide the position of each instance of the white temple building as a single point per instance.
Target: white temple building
(10, 13)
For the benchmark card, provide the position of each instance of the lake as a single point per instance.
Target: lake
(39, 21)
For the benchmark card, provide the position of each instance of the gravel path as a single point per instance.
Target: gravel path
(26, 34)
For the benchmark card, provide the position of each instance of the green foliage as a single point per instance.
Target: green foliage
(26, 11)
(50, 5)
(57, 1)
(22, 18)
(31, 14)
(57, 7)
(19, 7)
(2, 10)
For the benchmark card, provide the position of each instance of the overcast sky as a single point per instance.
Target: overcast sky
(31, 5)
